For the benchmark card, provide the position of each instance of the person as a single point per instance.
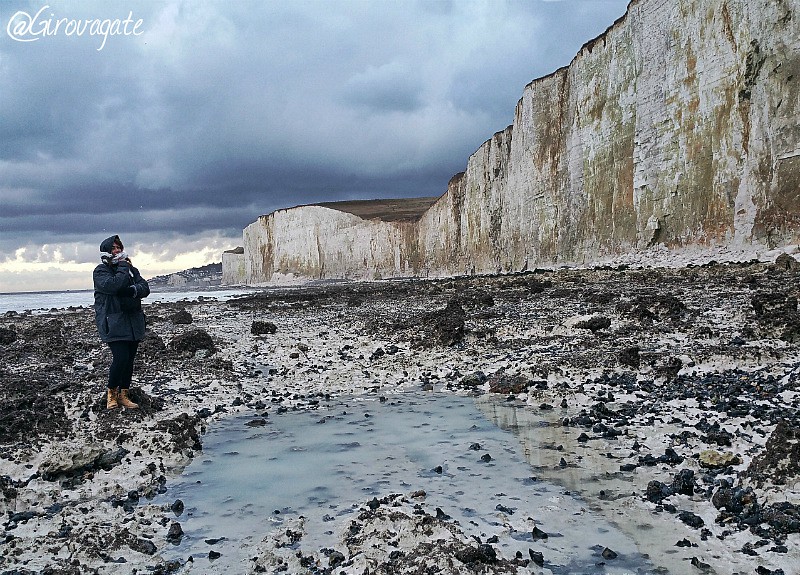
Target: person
(118, 293)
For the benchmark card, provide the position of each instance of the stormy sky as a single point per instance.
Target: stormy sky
(177, 123)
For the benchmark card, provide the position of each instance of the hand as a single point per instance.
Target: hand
(120, 257)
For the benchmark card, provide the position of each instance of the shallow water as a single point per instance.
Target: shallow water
(326, 464)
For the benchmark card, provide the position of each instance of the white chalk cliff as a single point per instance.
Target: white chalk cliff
(679, 126)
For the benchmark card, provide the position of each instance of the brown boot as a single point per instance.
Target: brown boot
(111, 398)
(125, 401)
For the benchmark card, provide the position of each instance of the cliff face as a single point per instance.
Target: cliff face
(316, 242)
(679, 126)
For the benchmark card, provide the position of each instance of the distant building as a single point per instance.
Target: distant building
(205, 276)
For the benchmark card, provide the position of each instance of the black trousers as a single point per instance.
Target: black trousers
(123, 353)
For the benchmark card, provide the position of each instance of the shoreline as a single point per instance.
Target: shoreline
(540, 337)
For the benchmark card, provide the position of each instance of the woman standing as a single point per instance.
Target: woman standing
(118, 293)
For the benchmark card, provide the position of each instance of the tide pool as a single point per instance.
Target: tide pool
(257, 472)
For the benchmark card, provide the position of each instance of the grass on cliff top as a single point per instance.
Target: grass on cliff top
(392, 210)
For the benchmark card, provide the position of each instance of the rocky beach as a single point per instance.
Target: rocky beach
(664, 400)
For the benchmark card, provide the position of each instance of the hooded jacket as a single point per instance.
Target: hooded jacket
(118, 317)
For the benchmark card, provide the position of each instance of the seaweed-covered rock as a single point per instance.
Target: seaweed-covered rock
(151, 347)
(193, 341)
(776, 313)
(32, 409)
(445, 326)
(779, 463)
(181, 317)
(594, 324)
(630, 357)
(504, 383)
(183, 430)
(786, 262)
(7, 336)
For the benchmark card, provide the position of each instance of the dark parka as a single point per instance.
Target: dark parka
(118, 317)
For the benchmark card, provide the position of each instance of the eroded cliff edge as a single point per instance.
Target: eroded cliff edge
(679, 126)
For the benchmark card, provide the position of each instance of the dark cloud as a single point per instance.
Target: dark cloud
(222, 111)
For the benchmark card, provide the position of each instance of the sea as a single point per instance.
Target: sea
(47, 301)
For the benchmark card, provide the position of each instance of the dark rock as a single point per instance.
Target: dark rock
(537, 557)
(150, 348)
(690, 519)
(183, 431)
(747, 549)
(630, 357)
(28, 412)
(193, 341)
(212, 555)
(441, 515)
(656, 491)
(594, 324)
(7, 336)
(785, 262)
(780, 459)
(508, 384)
(177, 507)
(258, 422)
(608, 554)
(537, 534)
(472, 380)
(335, 558)
(175, 533)
(448, 324)
(263, 328)
(683, 482)
(110, 458)
(475, 299)
(483, 553)
(670, 368)
(144, 546)
(776, 313)
(538, 286)
(719, 437)
(181, 317)
(648, 460)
